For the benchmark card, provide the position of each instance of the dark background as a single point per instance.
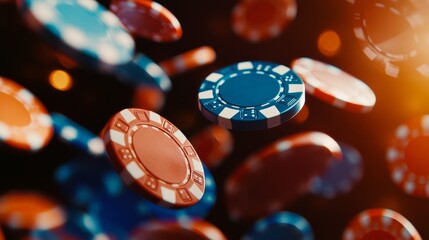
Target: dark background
(25, 58)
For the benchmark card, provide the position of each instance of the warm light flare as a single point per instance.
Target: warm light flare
(329, 43)
(60, 80)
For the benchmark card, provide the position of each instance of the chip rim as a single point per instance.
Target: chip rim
(380, 219)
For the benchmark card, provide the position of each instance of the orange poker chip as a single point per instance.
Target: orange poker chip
(183, 230)
(148, 19)
(407, 157)
(379, 223)
(154, 157)
(24, 121)
(30, 210)
(213, 145)
(258, 20)
(189, 60)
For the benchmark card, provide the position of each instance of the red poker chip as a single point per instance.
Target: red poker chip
(258, 20)
(407, 157)
(154, 157)
(379, 223)
(188, 61)
(213, 144)
(148, 19)
(334, 86)
(188, 229)
(30, 210)
(278, 174)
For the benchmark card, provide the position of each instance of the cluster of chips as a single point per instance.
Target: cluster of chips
(160, 186)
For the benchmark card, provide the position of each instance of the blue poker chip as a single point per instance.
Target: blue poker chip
(83, 29)
(341, 176)
(281, 225)
(120, 213)
(251, 95)
(77, 136)
(199, 210)
(83, 179)
(143, 71)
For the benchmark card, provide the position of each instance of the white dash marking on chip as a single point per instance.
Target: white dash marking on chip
(168, 195)
(214, 77)
(244, 65)
(117, 137)
(134, 170)
(128, 115)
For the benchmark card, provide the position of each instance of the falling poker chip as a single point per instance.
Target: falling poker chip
(189, 60)
(148, 19)
(83, 29)
(30, 210)
(407, 156)
(259, 20)
(142, 71)
(279, 174)
(25, 123)
(155, 158)
(340, 176)
(213, 144)
(77, 136)
(394, 49)
(178, 230)
(378, 224)
(281, 225)
(83, 179)
(251, 95)
(334, 86)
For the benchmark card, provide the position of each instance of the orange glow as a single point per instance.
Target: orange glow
(302, 116)
(329, 43)
(60, 80)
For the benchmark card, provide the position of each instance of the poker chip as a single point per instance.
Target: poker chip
(77, 136)
(142, 71)
(24, 121)
(213, 144)
(251, 95)
(281, 225)
(120, 213)
(380, 223)
(148, 98)
(257, 187)
(83, 179)
(334, 86)
(258, 20)
(148, 19)
(189, 60)
(407, 156)
(392, 49)
(155, 158)
(189, 229)
(340, 176)
(30, 210)
(79, 225)
(199, 210)
(83, 29)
